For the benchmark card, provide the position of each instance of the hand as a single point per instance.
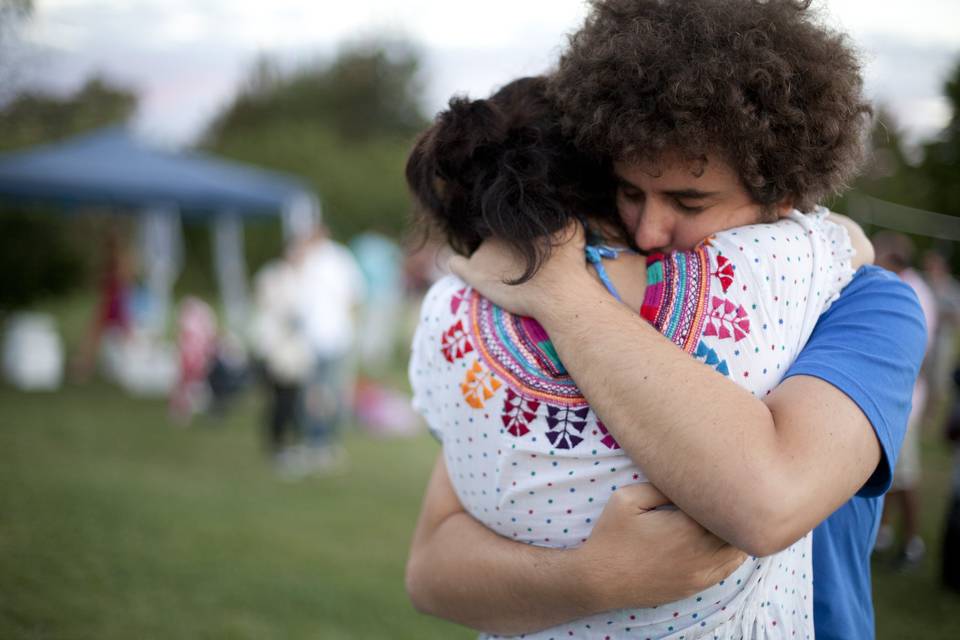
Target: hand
(641, 556)
(494, 264)
(863, 252)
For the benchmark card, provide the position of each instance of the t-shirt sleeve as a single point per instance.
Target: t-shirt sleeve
(426, 351)
(870, 345)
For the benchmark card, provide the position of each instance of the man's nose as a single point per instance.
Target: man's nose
(655, 228)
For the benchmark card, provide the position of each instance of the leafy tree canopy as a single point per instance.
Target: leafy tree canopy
(941, 158)
(345, 125)
(43, 255)
(34, 117)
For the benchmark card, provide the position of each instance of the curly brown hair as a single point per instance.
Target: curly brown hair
(502, 168)
(760, 83)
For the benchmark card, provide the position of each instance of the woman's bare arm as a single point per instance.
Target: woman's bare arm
(636, 556)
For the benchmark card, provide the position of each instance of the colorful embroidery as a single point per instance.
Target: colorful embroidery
(478, 386)
(608, 440)
(678, 287)
(724, 272)
(457, 299)
(455, 343)
(518, 413)
(519, 352)
(564, 424)
(709, 357)
(727, 319)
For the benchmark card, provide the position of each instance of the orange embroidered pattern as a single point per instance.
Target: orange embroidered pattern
(478, 386)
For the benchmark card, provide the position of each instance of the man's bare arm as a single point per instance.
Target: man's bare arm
(460, 570)
(758, 474)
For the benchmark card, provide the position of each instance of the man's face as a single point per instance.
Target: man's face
(674, 205)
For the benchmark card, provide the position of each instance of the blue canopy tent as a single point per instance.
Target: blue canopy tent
(109, 168)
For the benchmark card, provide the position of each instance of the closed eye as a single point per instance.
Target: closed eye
(687, 208)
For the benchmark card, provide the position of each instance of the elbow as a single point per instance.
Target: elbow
(417, 586)
(770, 526)
(762, 542)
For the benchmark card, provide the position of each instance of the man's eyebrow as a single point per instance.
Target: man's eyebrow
(689, 194)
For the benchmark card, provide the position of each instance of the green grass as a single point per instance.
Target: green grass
(911, 605)
(115, 524)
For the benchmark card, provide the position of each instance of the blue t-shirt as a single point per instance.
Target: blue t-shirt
(869, 344)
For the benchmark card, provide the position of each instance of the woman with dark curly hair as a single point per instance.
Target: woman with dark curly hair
(714, 113)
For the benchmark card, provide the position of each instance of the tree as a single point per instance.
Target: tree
(888, 174)
(941, 157)
(344, 125)
(43, 255)
(33, 117)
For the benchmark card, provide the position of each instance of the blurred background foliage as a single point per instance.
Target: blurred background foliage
(344, 124)
(43, 253)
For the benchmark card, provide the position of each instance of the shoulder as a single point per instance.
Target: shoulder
(879, 300)
(874, 289)
(792, 233)
(878, 307)
(441, 298)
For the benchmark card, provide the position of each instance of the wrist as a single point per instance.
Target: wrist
(560, 305)
(598, 590)
(590, 595)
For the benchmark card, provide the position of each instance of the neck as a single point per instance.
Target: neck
(629, 275)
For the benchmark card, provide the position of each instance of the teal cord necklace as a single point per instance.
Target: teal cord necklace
(596, 253)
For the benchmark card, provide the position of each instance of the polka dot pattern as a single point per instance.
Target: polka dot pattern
(539, 470)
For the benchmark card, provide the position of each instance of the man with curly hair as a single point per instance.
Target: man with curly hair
(715, 114)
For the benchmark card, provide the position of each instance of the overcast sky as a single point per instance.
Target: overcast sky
(185, 57)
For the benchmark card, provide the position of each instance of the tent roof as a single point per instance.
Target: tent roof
(109, 167)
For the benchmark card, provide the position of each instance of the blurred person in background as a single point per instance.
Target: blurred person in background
(283, 355)
(950, 558)
(331, 288)
(112, 317)
(379, 259)
(943, 351)
(229, 372)
(197, 347)
(894, 252)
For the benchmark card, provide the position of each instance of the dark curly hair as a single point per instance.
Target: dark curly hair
(502, 168)
(760, 83)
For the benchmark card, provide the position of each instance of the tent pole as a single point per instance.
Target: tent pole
(161, 254)
(231, 268)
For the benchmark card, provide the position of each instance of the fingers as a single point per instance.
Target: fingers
(458, 265)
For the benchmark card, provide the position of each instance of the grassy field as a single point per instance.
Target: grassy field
(115, 524)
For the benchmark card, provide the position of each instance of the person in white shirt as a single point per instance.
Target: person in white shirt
(331, 287)
(895, 253)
